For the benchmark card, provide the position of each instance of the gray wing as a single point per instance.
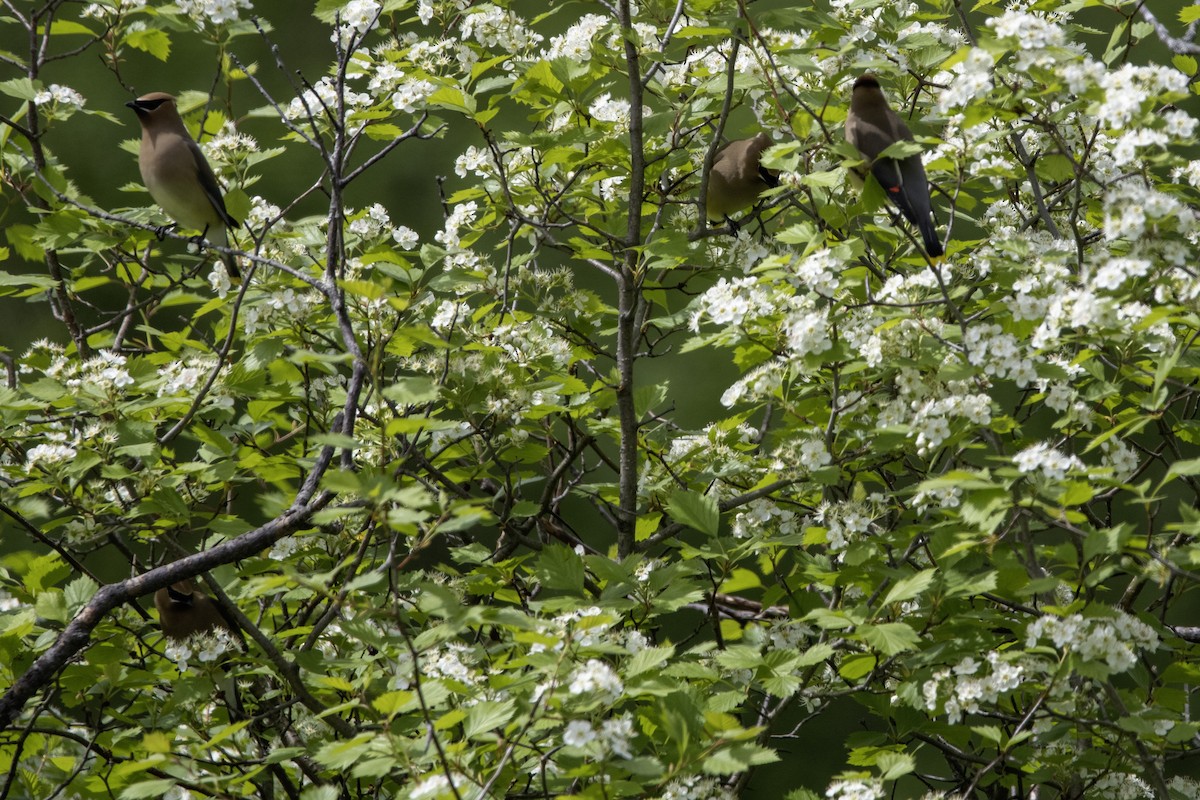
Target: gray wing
(208, 182)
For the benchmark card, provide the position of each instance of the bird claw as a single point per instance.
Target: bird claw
(162, 230)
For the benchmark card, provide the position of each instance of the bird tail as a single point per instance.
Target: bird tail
(929, 235)
(231, 266)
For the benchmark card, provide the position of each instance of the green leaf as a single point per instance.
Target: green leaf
(150, 40)
(1183, 468)
(895, 765)
(454, 99)
(486, 716)
(738, 757)
(910, 587)
(648, 658)
(225, 732)
(857, 666)
(412, 391)
(157, 788)
(20, 88)
(890, 637)
(326, 792)
(43, 572)
(79, 592)
(559, 567)
(696, 511)
(343, 754)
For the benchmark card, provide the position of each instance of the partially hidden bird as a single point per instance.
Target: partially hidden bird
(737, 178)
(872, 126)
(184, 610)
(178, 176)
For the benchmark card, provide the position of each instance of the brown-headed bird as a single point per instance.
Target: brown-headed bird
(737, 178)
(183, 610)
(872, 126)
(177, 174)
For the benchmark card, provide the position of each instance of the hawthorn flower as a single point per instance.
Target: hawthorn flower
(216, 12)
(970, 685)
(972, 79)
(49, 454)
(474, 161)
(57, 93)
(819, 271)
(855, 790)
(1115, 641)
(406, 237)
(370, 223)
(1044, 459)
(411, 95)
(617, 735)
(579, 733)
(438, 785)
(1028, 31)
(497, 28)
(576, 42)
(595, 676)
(356, 17)
(112, 8)
(695, 787)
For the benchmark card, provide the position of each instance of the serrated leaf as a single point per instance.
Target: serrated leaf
(225, 732)
(559, 567)
(890, 637)
(149, 40)
(738, 758)
(895, 765)
(857, 666)
(159, 787)
(910, 587)
(412, 391)
(342, 754)
(486, 716)
(648, 658)
(696, 511)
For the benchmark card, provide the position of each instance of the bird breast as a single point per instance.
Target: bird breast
(171, 176)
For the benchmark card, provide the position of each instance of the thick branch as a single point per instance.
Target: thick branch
(75, 637)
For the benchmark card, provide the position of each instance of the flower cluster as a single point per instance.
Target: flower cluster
(214, 12)
(1115, 641)
(971, 685)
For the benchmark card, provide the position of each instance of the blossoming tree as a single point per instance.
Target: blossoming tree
(934, 521)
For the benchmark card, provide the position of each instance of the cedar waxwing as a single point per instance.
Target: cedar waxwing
(184, 610)
(737, 179)
(177, 175)
(872, 126)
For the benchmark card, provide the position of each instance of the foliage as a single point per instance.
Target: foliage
(476, 546)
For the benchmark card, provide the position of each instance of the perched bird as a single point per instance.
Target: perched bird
(737, 178)
(183, 610)
(871, 126)
(177, 174)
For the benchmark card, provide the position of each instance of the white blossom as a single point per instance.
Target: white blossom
(595, 676)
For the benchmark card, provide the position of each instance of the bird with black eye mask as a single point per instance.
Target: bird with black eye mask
(184, 611)
(178, 176)
(872, 127)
